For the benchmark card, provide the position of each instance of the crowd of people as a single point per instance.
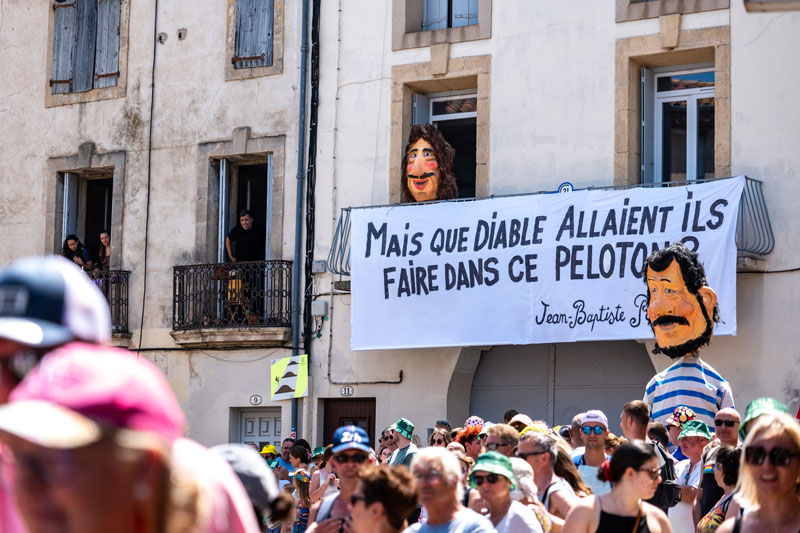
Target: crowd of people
(91, 440)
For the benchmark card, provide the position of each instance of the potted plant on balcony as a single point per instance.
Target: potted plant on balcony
(251, 317)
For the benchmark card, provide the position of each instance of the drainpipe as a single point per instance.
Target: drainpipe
(299, 212)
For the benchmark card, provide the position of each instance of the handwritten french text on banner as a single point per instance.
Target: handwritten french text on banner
(531, 269)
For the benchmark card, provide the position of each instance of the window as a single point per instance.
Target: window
(440, 14)
(254, 43)
(86, 45)
(244, 186)
(421, 23)
(455, 115)
(254, 23)
(86, 205)
(677, 124)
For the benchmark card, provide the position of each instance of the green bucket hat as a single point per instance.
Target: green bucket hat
(695, 428)
(494, 463)
(758, 407)
(404, 427)
(319, 450)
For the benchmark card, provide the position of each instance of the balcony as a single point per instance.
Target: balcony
(243, 304)
(754, 236)
(114, 286)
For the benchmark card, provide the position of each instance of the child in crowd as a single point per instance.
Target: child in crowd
(302, 497)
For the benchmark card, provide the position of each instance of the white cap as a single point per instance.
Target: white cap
(596, 416)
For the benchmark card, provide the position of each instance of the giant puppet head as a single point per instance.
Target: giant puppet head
(681, 308)
(428, 166)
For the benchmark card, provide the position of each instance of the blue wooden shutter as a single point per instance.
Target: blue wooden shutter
(465, 13)
(434, 15)
(254, 22)
(106, 65)
(64, 32)
(83, 69)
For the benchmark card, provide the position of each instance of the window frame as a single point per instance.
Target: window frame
(690, 96)
(98, 93)
(407, 16)
(628, 10)
(232, 73)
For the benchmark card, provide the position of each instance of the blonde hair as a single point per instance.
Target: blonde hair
(765, 426)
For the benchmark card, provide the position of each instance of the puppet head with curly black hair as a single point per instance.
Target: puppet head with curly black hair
(680, 306)
(428, 166)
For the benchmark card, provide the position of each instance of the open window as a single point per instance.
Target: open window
(455, 114)
(86, 206)
(678, 109)
(244, 185)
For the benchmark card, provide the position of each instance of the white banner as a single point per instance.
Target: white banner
(531, 269)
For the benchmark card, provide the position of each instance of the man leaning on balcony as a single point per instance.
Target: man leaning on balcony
(248, 239)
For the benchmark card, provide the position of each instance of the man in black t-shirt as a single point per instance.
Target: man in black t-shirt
(249, 238)
(245, 291)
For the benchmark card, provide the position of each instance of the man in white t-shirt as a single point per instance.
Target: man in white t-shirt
(693, 438)
(594, 426)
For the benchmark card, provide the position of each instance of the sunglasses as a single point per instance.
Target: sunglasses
(491, 478)
(430, 476)
(726, 423)
(492, 446)
(356, 458)
(778, 456)
(438, 441)
(652, 472)
(524, 456)
(587, 430)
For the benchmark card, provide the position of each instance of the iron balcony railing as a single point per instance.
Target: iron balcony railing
(114, 286)
(753, 227)
(232, 295)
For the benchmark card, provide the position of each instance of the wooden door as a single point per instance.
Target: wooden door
(352, 411)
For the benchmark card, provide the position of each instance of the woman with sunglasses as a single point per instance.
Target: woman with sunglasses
(440, 437)
(493, 476)
(769, 481)
(726, 475)
(634, 475)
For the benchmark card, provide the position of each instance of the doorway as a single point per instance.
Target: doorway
(260, 427)
(98, 213)
(345, 412)
(244, 184)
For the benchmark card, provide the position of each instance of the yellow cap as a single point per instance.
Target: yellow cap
(269, 449)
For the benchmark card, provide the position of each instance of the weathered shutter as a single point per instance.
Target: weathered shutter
(64, 33)
(465, 13)
(434, 15)
(83, 70)
(106, 65)
(254, 21)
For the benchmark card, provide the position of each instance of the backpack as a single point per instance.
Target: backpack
(668, 493)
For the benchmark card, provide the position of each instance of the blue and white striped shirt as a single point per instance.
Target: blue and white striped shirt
(690, 382)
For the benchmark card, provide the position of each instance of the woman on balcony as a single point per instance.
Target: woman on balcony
(104, 253)
(76, 252)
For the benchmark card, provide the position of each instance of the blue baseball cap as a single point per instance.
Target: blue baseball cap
(350, 438)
